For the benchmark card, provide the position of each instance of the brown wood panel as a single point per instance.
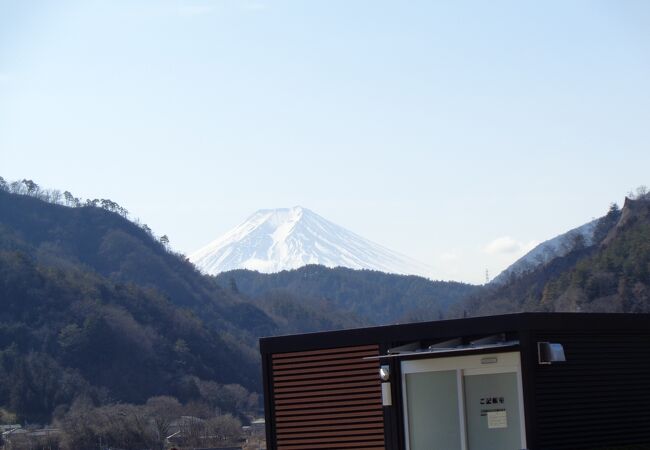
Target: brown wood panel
(353, 435)
(339, 426)
(328, 364)
(335, 376)
(320, 360)
(373, 445)
(328, 399)
(338, 367)
(320, 439)
(328, 351)
(322, 406)
(333, 439)
(301, 417)
(325, 389)
(328, 410)
(326, 382)
(349, 395)
(337, 420)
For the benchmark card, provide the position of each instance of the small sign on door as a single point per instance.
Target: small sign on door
(497, 419)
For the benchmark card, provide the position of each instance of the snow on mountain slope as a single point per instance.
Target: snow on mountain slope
(548, 250)
(272, 240)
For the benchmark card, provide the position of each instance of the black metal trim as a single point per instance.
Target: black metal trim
(528, 363)
(269, 412)
(400, 432)
(428, 354)
(453, 328)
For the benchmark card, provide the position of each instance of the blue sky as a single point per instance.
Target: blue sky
(458, 133)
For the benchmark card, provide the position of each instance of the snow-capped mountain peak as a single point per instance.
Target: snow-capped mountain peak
(272, 240)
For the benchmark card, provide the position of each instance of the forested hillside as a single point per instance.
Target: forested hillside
(611, 275)
(95, 306)
(99, 239)
(371, 297)
(66, 332)
(92, 305)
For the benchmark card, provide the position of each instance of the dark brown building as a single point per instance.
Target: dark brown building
(532, 381)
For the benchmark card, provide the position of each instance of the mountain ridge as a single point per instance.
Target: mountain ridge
(611, 274)
(374, 297)
(548, 250)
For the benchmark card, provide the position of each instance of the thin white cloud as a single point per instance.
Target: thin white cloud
(5, 77)
(507, 245)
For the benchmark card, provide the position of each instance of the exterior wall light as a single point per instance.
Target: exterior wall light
(386, 396)
(549, 353)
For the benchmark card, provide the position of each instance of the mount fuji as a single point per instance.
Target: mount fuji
(272, 240)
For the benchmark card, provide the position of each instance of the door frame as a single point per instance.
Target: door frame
(481, 364)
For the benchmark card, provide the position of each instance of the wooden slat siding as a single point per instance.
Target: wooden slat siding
(330, 392)
(319, 389)
(310, 400)
(356, 414)
(340, 378)
(599, 397)
(328, 399)
(327, 351)
(321, 360)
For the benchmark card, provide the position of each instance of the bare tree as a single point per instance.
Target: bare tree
(642, 193)
(163, 410)
(68, 198)
(54, 196)
(224, 429)
(192, 431)
(107, 204)
(122, 211)
(16, 187)
(31, 187)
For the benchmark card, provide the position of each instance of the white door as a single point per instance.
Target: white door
(464, 403)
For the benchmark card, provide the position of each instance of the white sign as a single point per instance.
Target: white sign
(497, 419)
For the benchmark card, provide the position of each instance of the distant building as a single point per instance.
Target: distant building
(258, 427)
(18, 437)
(536, 381)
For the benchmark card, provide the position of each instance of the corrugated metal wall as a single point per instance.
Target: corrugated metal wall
(327, 399)
(599, 398)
